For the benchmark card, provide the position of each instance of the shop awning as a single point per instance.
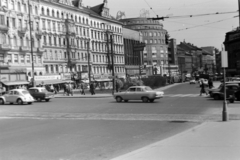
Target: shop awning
(13, 83)
(45, 82)
(103, 80)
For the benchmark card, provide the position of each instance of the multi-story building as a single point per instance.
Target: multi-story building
(232, 46)
(132, 51)
(155, 54)
(172, 58)
(66, 37)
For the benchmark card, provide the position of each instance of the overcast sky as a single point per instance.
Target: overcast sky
(206, 35)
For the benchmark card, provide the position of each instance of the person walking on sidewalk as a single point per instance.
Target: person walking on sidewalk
(82, 89)
(92, 89)
(203, 90)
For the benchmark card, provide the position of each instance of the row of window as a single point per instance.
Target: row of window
(155, 41)
(82, 20)
(16, 58)
(153, 34)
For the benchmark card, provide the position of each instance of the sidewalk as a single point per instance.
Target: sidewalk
(208, 141)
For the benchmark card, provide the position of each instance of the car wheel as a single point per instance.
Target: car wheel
(1, 101)
(119, 99)
(216, 97)
(151, 100)
(145, 99)
(238, 97)
(39, 99)
(47, 100)
(19, 101)
(231, 100)
(125, 100)
(29, 102)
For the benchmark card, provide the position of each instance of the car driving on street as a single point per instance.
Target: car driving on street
(19, 96)
(144, 93)
(40, 93)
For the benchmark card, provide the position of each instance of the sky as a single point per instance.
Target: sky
(208, 30)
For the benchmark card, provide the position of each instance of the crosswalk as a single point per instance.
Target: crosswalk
(182, 95)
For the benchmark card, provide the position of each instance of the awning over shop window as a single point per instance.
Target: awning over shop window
(46, 82)
(13, 83)
(103, 80)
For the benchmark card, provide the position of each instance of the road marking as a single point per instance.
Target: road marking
(125, 117)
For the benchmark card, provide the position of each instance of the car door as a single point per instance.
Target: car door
(7, 96)
(131, 94)
(139, 93)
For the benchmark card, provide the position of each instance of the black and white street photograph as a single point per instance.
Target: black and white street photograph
(119, 80)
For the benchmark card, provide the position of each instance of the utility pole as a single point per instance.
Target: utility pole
(69, 64)
(31, 45)
(89, 66)
(113, 77)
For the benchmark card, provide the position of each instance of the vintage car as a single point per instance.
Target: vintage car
(144, 93)
(40, 93)
(221, 85)
(192, 81)
(19, 96)
(230, 93)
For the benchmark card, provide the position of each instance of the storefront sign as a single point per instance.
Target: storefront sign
(40, 78)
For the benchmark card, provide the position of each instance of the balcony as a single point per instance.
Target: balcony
(5, 47)
(38, 34)
(24, 49)
(4, 28)
(22, 31)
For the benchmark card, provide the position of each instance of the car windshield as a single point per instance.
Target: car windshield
(25, 92)
(148, 89)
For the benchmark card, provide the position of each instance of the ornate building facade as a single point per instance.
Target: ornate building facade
(66, 37)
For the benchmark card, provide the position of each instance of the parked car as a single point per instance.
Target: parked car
(230, 93)
(19, 96)
(144, 93)
(210, 91)
(193, 81)
(40, 93)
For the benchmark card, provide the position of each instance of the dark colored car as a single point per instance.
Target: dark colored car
(210, 91)
(40, 93)
(230, 93)
(237, 94)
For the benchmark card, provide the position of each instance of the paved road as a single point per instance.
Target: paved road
(98, 128)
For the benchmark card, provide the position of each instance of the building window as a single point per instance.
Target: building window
(19, 7)
(56, 55)
(14, 22)
(39, 59)
(28, 58)
(34, 59)
(15, 58)
(9, 58)
(22, 58)
(2, 21)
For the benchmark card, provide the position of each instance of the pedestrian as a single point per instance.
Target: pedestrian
(70, 89)
(92, 89)
(51, 88)
(210, 83)
(203, 90)
(82, 89)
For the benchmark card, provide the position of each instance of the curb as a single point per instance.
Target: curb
(103, 96)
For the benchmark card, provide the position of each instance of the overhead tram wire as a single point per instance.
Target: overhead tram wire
(151, 8)
(203, 24)
(190, 16)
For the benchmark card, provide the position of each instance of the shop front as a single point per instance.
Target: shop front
(10, 79)
(48, 80)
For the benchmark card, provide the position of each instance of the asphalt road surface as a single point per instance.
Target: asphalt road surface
(100, 128)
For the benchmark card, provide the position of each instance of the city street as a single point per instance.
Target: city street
(100, 128)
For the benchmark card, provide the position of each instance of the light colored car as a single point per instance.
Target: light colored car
(19, 96)
(144, 93)
(193, 81)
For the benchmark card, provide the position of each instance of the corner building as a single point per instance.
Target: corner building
(155, 54)
(52, 48)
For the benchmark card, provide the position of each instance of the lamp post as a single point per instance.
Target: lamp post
(89, 66)
(31, 45)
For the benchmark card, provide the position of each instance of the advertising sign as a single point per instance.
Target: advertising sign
(40, 78)
(224, 57)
